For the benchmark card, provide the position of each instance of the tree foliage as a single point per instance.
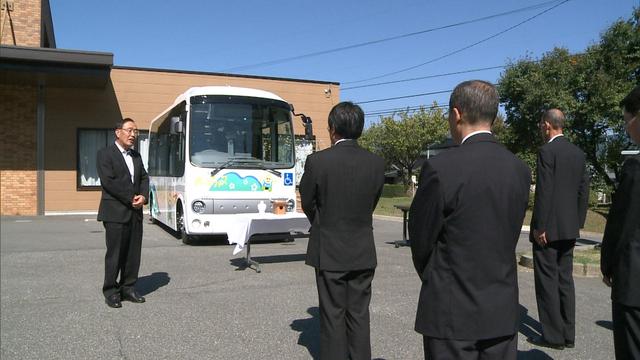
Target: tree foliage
(401, 138)
(587, 87)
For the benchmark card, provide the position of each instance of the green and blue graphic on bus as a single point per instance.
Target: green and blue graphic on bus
(231, 181)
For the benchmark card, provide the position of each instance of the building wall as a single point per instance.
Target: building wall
(142, 95)
(67, 110)
(21, 27)
(18, 175)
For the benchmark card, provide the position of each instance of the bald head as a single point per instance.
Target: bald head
(555, 118)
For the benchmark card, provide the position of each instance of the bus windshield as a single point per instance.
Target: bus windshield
(239, 131)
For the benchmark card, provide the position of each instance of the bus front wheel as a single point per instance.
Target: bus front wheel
(186, 239)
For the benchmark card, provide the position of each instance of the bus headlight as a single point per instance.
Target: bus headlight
(198, 206)
(291, 205)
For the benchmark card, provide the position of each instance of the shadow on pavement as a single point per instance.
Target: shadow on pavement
(533, 354)
(150, 283)
(309, 331)
(581, 241)
(209, 240)
(240, 263)
(528, 326)
(271, 259)
(399, 242)
(605, 324)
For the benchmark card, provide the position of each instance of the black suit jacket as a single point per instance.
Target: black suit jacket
(562, 191)
(620, 256)
(464, 223)
(117, 189)
(339, 190)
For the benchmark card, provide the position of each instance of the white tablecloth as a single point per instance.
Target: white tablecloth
(240, 227)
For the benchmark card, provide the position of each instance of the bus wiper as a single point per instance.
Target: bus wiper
(273, 171)
(225, 165)
(245, 161)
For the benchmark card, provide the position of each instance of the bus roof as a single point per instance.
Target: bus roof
(226, 90)
(219, 90)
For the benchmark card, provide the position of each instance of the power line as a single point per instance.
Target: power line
(372, 42)
(461, 49)
(408, 109)
(405, 96)
(424, 77)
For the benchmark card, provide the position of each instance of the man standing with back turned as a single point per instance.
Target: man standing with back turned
(125, 189)
(464, 225)
(620, 261)
(562, 195)
(339, 190)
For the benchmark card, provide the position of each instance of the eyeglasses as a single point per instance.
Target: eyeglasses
(135, 132)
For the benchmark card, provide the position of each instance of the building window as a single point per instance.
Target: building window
(89, 142)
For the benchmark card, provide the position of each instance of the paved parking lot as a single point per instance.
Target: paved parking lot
(202, 304)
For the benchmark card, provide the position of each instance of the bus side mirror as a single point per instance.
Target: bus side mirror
(308, 128)
(177, 125)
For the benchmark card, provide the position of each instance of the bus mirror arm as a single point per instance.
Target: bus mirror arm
(308, 127)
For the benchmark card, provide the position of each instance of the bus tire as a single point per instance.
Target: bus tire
(186, 239)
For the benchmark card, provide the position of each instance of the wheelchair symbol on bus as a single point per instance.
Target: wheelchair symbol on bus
(288, 179)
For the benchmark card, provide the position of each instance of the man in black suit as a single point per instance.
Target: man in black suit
(464, 224)
(339, 190)
(560, 209)
(125, 189)
(620, 260)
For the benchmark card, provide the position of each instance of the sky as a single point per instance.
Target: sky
(327, 40)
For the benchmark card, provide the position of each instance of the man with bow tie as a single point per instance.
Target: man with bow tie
(125, 189)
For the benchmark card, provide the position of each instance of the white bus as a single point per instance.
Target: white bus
(220, 151)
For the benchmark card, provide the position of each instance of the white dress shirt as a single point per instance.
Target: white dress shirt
(341, 140)
(553, 138)
(475, 133)
(126, 154)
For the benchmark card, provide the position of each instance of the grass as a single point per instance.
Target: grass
(596, 218)
(385, 205)
(591, 256)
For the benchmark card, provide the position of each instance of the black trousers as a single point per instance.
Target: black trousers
(505, 347)
(555, 291)
(124, 246)
(626, 331)
(344, 314)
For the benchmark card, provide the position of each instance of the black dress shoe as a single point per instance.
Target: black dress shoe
(131, 295)
(113, 301)
(540, 341)
(569, 344)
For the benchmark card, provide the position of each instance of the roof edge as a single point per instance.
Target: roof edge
(46, 28)
(30, 54)
(225, 74)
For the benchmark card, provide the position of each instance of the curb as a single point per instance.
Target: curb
(579, 269)
(525, 228)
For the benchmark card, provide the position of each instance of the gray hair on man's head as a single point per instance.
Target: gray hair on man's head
(477, 100)
(555, 117)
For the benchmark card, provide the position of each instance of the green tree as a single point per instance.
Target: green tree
(587, 87)
(401, 138)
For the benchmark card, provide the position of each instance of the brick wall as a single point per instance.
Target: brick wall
(18, 176)
(21, 26)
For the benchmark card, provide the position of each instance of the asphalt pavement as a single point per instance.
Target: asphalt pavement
(202, 303)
